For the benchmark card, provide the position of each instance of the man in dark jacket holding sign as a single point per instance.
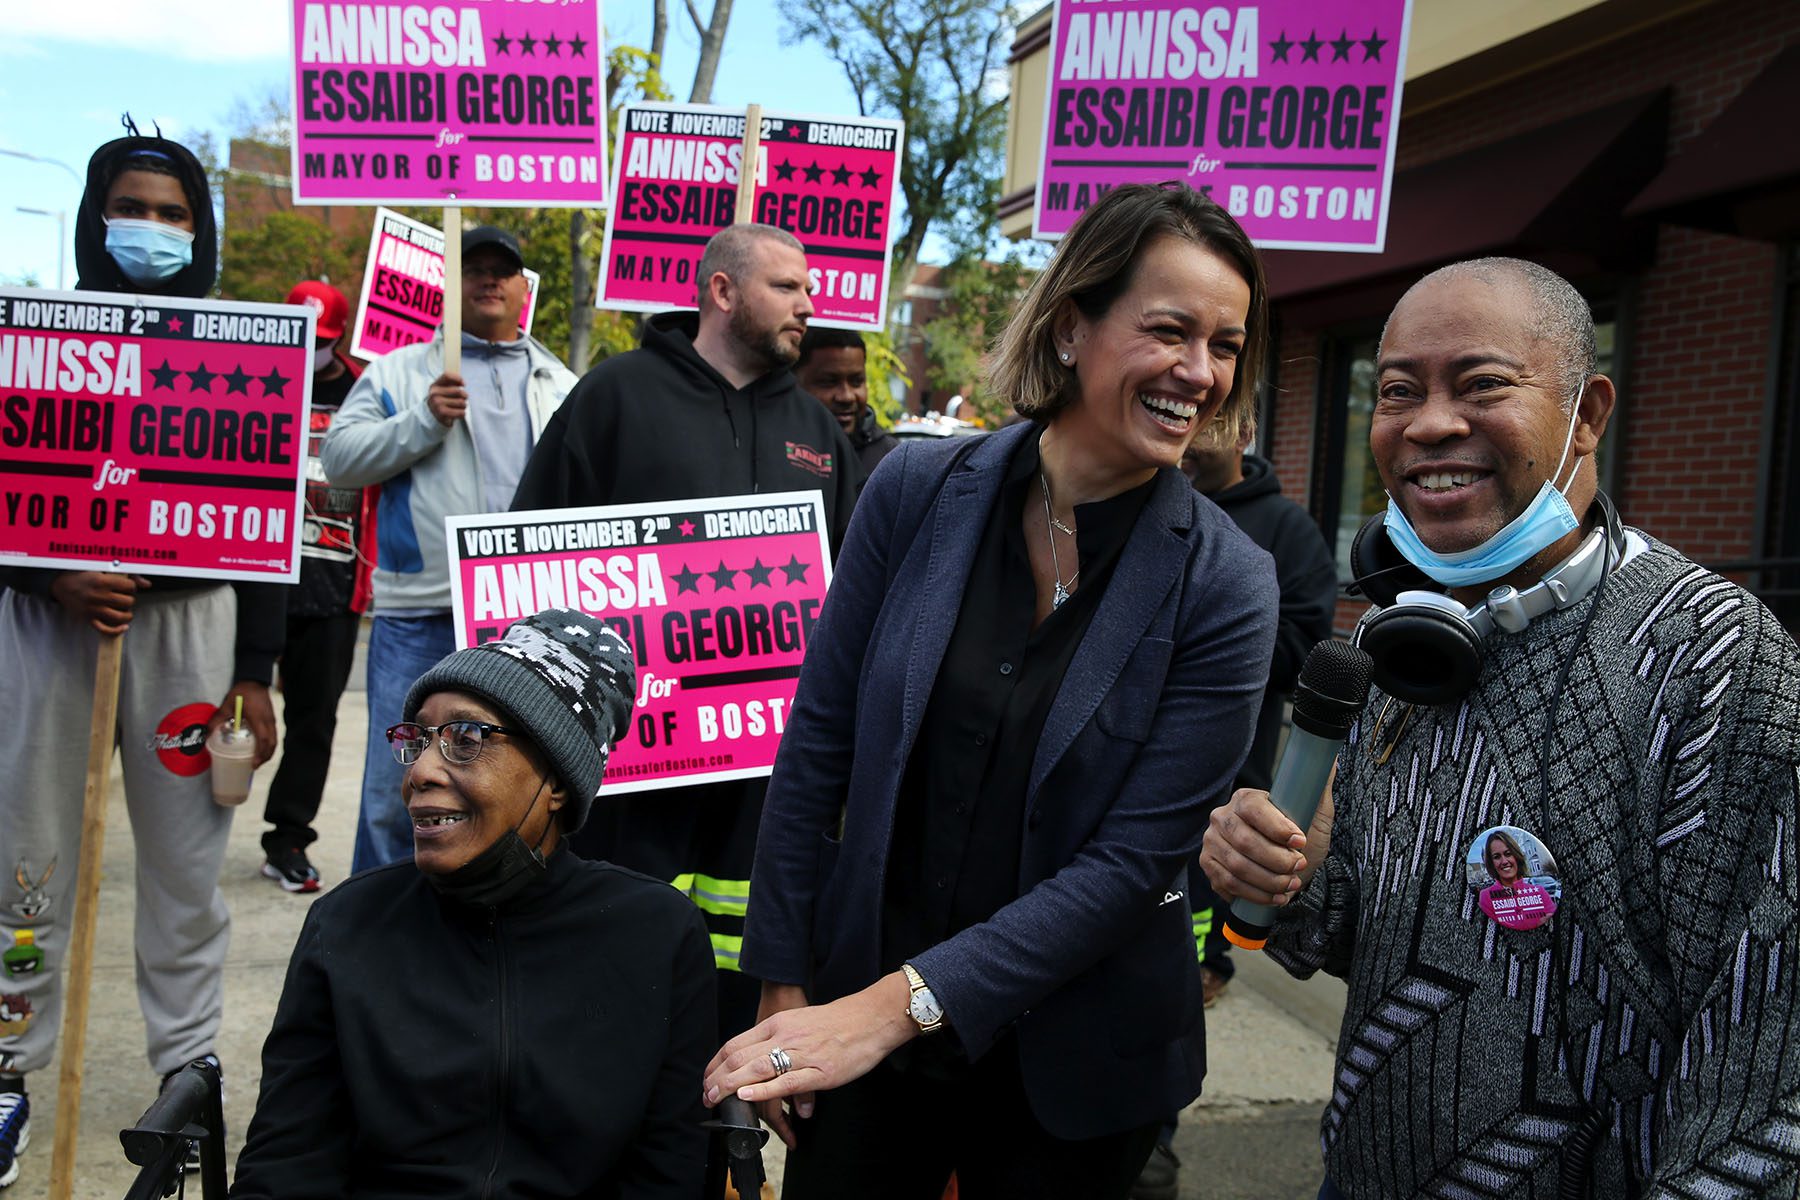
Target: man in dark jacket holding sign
(706, 407)
(145, 226)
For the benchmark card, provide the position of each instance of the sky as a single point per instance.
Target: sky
(68, 68)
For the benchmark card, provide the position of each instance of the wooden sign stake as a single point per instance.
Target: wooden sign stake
(453, 289)
(87, 902)
(746, 193)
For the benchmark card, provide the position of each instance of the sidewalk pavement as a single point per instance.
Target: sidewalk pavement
(1253, 1135)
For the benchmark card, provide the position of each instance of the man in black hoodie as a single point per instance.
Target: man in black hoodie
(834, 367)
(1244, 486)
(146, 226)
(706, 407)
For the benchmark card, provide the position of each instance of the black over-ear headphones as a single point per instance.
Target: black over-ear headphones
(1428, 648)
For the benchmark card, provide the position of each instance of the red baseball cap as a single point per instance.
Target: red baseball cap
(327, 301)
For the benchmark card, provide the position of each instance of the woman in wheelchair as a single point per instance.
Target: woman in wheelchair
(497, 1017)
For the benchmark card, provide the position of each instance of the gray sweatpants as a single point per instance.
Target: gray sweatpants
(177, 663)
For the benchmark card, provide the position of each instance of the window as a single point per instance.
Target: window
(1350, 487)
(1356, 490)
(1777, 583)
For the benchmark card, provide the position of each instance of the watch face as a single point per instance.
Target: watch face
(924, 1007)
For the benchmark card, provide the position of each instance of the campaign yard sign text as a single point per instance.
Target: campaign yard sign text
(472, 102)
(1284, 111)
(402, 300)
(832, 182)
(716, 598)
(153, 435)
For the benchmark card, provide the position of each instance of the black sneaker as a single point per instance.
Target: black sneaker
(289, 867)
(15, 1131)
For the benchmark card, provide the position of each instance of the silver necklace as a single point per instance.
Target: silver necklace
(1062, 590)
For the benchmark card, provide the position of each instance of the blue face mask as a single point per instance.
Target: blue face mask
(148, 252)
(1545, 520)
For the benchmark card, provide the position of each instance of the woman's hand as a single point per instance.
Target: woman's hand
(827, 1046)
(777, 998)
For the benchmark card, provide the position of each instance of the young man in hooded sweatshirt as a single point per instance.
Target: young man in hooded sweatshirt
(708, 406)
(191, 648)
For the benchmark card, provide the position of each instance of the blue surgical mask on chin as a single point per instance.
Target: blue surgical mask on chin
(148, 252)
(1545, 520)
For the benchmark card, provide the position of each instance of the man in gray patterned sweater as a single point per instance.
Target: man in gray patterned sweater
(1565, 902)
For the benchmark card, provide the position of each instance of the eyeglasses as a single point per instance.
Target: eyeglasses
(459, 741)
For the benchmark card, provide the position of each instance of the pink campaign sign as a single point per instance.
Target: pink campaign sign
(716, 598)
(1284, 111)
(477, 102)
(151, 435)
(832, 182)
(403, 287)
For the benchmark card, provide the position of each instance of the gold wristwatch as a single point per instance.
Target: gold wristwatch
(923, 1007)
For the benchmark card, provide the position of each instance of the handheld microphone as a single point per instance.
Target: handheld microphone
(1333, 687)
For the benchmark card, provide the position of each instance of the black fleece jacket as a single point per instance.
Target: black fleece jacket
(659, 423)
(872, 442)
(261, 607)
(551, 1048)
(1308, 580)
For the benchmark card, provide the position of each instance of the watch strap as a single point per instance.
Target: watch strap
(915, 984)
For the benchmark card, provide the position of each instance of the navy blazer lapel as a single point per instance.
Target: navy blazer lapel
(962, 509)
(1153, 558)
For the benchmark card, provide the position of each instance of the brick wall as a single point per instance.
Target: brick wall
(1696, 378)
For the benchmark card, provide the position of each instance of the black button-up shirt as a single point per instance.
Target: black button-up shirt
(960, 813)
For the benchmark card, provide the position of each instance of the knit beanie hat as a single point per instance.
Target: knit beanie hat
(565, 678)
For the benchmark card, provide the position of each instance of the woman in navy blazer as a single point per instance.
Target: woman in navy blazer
(1049, 972)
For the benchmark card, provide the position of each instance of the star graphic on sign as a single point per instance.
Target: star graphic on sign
(759, 574)
(796, 570)
(841, 176)
(553, 46)
(871, 178)
(577, 47)
(164, 376)
(1340, 46)
(1309, 49)
(1372, 46)
(814, 173)
(173, 324)
(200, 379)
(784, 170)
(1278, 49)
(687, 529)
(502, 43)
(273, 383)
(722, 578)
(686, 580)
(528, 45)
(237, 381)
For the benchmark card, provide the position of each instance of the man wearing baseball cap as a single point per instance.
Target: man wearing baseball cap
(437, 444)
(337, 556)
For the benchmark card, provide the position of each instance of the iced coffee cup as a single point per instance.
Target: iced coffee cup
(233, 752)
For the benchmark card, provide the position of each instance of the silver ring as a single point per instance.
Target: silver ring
(778, 1058)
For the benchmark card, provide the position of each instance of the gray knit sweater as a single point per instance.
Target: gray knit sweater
(1661, 995)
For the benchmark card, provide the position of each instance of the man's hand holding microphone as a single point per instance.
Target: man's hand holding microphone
(1263, 846)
